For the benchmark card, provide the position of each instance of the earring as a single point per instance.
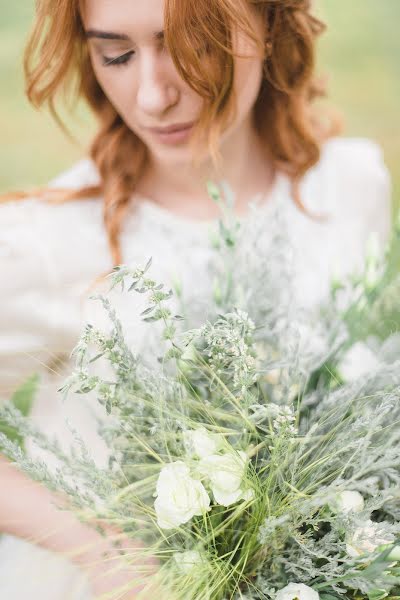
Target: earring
(268, 49)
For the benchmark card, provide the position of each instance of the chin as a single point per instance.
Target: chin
(171, 155)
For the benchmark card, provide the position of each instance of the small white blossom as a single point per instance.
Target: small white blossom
(285, 418)
(348, 501)
(226, 473)
(179, 496)
(297, 591)
(201, 443)
(366, 539)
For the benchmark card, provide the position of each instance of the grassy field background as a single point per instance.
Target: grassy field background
(360, 52)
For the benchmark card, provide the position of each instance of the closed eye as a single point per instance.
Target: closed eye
(123, 59)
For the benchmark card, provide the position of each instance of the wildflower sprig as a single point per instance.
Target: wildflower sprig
(158, 309)
(366, 301)
(225, 244)
(95, 345)
(227, 347)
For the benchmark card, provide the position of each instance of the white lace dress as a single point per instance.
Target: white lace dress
(50, 255)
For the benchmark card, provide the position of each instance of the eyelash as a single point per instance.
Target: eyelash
(124, 59)
(119, 61)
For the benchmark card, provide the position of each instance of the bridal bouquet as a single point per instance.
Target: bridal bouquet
(261, 458)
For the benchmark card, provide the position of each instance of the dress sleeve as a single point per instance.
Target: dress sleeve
(350, 190)
(375, 203)
(34, 326)
(27, 318)
(39, 309)
(366, 189)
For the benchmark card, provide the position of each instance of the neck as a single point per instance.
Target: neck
(246, 168)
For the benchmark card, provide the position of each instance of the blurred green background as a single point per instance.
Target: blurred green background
(360, 53)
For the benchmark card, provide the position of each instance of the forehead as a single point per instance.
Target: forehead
(123, 15)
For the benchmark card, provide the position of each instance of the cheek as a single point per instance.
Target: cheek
(118, 84)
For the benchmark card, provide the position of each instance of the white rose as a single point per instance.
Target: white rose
(226, 473)
(179, 496)
(297, 591)
(358, 361)
(365, 540)
(202, 443)
(187, 560)
(348, 501)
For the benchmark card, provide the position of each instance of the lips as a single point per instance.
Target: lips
(171, 128)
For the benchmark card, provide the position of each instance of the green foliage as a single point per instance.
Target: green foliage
(22, 400)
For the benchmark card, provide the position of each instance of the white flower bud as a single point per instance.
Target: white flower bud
(297, 591)
(202, 443)
(348, 501)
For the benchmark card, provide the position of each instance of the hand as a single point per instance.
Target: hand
(116, 581)
(75, 539)
(126, 572)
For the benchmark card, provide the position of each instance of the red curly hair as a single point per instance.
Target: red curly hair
(57, 59)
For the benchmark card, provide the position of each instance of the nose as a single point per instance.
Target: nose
(157, 91)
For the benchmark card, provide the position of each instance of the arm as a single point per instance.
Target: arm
(28, 510)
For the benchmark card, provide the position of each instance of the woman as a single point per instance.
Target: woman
(184, 92)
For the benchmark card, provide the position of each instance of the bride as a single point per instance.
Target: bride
(184, 92)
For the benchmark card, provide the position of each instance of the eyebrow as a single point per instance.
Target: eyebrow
(110, 35)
